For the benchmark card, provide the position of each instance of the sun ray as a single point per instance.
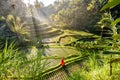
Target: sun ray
(45, 2)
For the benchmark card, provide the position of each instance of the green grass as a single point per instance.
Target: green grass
(99, 73)
(97, 68)
(18, 64)
(15, 65)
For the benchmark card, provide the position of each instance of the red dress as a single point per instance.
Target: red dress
(62, 62)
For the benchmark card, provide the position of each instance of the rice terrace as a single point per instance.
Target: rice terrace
(59, 39)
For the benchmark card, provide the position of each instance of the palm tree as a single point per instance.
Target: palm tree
(15, 25)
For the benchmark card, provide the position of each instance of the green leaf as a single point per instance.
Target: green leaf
(111, 4)
(116, 21)
(111, 52)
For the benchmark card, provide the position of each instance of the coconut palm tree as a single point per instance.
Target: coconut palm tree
(15, 25)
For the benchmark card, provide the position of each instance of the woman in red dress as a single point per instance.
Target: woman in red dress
(62, 62)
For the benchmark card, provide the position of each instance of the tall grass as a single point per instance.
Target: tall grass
(16, 65)
(96, 68)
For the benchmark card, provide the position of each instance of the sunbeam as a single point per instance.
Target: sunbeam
(45, 2)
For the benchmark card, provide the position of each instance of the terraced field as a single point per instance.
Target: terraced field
(55, 39)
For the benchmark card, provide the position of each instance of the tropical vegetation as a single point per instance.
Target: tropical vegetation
(66, 40)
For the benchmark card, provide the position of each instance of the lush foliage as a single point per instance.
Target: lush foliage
(76, 14)
(102, 53)
(99, 67)
(13, 29)
(15, 64)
